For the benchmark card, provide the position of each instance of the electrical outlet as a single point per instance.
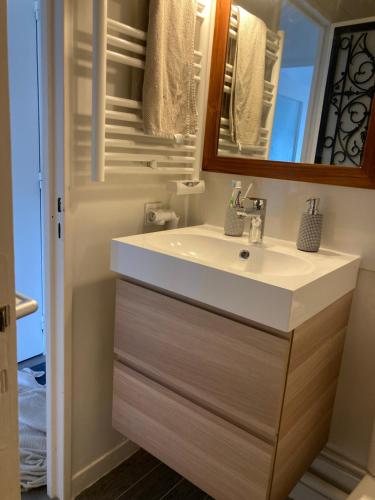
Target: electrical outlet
(148, 208)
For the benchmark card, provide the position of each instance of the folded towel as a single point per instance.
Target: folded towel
(169, 100)
(246, 102)
(32, 430)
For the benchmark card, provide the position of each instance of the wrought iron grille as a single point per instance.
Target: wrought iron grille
(348, 96)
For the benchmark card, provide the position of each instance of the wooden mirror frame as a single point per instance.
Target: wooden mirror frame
(362, 177)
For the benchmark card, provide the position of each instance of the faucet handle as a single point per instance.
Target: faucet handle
(255, 204)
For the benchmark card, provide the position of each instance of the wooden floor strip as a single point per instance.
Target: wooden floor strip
(185, 491)
(154, 486)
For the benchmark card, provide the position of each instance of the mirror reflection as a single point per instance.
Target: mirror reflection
(299, 81)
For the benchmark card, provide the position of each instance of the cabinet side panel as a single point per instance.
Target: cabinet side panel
(309, 394)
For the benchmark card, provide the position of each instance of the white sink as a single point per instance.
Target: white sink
(225, 254)
(277, 285)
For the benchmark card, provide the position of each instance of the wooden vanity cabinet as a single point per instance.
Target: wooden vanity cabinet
(239, 411)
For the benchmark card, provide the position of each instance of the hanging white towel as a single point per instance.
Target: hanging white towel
(169, 94)
(32, 430)
(246, 102)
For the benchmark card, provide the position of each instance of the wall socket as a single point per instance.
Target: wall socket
(148, 207)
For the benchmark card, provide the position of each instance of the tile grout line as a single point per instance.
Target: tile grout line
(138, 481)
(173, 487)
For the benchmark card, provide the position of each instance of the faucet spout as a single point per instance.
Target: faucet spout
(256, 229)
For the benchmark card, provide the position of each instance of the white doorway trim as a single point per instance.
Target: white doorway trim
(54, 154)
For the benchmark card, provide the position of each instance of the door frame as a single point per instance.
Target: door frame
(54, 155)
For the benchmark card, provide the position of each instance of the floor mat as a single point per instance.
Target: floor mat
(32, 429)
(41, 367)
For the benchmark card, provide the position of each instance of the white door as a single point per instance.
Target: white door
(23, 93)
(9, 466)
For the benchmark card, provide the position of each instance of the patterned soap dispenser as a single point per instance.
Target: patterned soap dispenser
(310, 230)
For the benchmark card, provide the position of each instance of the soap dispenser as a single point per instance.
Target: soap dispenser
(310, 230)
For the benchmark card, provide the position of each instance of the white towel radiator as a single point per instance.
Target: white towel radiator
(118, 141)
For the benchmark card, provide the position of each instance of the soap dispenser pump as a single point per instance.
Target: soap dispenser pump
(310, 230)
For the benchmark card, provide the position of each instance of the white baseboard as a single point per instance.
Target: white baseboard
(332, 475)
(101, 466)
(321, 487)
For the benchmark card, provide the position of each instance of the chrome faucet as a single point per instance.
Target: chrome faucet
(254, 209)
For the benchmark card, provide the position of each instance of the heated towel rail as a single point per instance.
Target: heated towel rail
(274, 50)
(118, 141)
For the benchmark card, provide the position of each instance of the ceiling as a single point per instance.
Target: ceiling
(344, 10)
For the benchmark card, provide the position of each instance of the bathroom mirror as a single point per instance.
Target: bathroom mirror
(291, 91)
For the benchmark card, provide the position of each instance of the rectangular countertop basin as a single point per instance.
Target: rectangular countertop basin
(273, 283)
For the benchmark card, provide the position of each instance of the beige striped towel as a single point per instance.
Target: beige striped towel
(246, 104)
(169, 94)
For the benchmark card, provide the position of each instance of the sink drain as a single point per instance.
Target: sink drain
(244, 254)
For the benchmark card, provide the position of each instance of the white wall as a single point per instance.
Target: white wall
(295, 82)
(99, 214)
(349, 226)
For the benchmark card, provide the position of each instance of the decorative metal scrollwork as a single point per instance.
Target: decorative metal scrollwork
(348, 98)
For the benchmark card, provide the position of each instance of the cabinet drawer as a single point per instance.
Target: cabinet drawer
(223, 460)
(229, 368)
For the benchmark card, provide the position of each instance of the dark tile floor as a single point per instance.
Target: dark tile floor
(36, 494)
(143, 477)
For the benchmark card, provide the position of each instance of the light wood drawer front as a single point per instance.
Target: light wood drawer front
(223, 460)
(227, 367)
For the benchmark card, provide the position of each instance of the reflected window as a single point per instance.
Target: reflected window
(348, 96)
(298, 67)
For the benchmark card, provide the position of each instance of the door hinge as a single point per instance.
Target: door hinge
(3, 381)
(40, 178)
(60, 210)
(37, 10)
(4, 317)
